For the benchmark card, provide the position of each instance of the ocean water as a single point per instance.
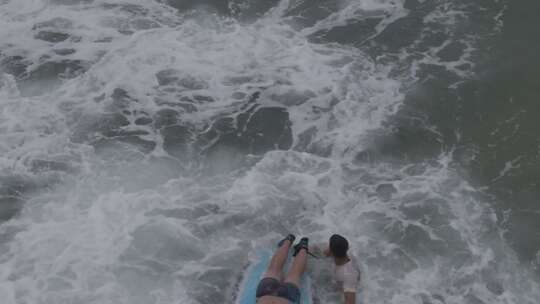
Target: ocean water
(147, 148)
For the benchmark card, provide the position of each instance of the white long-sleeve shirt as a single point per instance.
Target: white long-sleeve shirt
(348, 275)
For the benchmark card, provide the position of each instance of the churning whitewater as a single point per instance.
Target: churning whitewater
(147, 147)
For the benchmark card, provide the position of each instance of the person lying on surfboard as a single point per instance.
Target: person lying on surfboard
(346, 270)
(272, 288)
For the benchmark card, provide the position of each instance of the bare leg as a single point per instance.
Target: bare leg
(278, 261)
(298, 267)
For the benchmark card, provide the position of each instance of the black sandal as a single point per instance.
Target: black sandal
(289, 237)
(303, 244)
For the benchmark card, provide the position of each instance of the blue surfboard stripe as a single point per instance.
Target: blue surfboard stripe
(254, 274)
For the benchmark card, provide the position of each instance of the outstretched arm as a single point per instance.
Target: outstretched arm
(320, 249)
(350, 297)
(350, 286)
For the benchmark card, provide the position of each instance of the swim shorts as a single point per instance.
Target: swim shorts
(273, 287)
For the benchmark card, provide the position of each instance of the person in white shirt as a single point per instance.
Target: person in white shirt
(346, 270)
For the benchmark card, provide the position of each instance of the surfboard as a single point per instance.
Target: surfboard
(254, 273)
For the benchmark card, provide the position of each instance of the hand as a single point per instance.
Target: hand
(326, 252)
(317, 249)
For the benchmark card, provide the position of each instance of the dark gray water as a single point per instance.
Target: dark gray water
(490, 122)
(147, 148)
